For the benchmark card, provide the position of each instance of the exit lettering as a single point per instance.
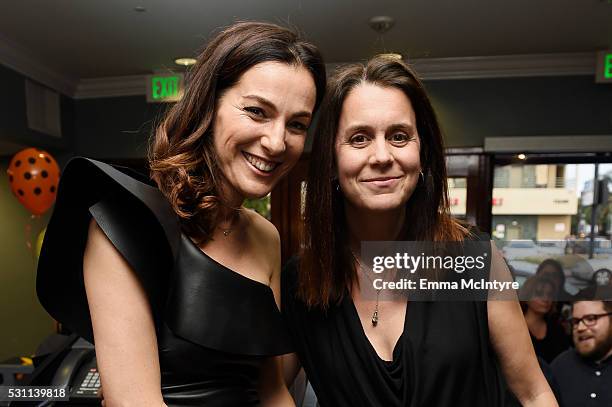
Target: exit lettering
(165, 87)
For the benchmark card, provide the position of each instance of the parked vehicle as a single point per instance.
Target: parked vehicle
(520, 249)
(551, 247)
(581, 246)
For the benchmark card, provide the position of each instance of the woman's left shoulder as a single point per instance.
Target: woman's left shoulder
(262, 227)
(264, 240)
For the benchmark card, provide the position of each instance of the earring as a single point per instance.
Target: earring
(422, 176)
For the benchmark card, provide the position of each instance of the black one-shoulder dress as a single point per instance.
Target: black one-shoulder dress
(214, 326)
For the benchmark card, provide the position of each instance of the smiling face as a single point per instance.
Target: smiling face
(260, 127)
(593, 342)
(377, 148)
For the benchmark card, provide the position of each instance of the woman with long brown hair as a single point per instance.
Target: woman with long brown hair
(538, 294)
(177, 282)
(380, 176)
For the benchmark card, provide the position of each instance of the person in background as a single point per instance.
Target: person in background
(584, 373)
(553, 269)
(547, 334)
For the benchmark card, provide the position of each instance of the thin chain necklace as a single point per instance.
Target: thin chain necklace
(378, 290)
(228, 231)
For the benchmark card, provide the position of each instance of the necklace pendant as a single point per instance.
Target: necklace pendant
(375, 318)
(226, 232)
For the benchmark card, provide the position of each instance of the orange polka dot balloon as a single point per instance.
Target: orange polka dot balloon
(33, 177)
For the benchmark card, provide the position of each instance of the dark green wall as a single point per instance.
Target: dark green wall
(470, 110)
(114, 128)
(23, 321)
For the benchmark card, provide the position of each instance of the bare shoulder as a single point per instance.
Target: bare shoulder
(262, 227)
(265, 240)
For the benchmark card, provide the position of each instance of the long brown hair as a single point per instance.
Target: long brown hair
(327, 266)
(529, 291)
(182, 158)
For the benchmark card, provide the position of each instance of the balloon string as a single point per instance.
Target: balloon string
(28, 233)
(28, 236)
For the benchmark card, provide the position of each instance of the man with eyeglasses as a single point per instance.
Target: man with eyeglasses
(584, 374)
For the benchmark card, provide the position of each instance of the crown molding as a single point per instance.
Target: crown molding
(579, 143)
(503, 66)
(506, 66)
(20, 60)
(116, 86)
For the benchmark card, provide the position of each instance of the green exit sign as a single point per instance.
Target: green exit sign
(604, 67)
(164, 88)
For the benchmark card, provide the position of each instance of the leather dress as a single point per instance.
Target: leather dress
(214, 326)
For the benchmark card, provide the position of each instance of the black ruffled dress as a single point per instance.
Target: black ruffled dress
(214, 326)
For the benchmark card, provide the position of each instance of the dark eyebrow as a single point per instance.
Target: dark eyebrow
(396, 126)
(358, 127)
(271, 105)
(403, 126)
(261, 100)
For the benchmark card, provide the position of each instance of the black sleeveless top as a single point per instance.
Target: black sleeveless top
(214, 326)
(442, 358)
(554, 343)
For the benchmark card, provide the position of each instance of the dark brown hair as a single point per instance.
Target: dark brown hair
(182, 157)
(327, 266)
(529, 291)
(558, 271)
(595, 293)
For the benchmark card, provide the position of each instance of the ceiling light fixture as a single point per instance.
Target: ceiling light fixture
(391, 55)
(521, 156)
(185, 61)
(382, 24)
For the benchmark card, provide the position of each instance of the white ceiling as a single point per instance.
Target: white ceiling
(107, 38)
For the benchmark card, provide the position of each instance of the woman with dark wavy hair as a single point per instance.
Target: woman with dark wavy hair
(176, 282)
(380, 175)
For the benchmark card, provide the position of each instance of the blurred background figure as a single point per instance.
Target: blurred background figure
(584, 373)
(547, 335)
(553, 270)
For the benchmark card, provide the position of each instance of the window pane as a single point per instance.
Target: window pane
(544, 211)
(457, 193)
